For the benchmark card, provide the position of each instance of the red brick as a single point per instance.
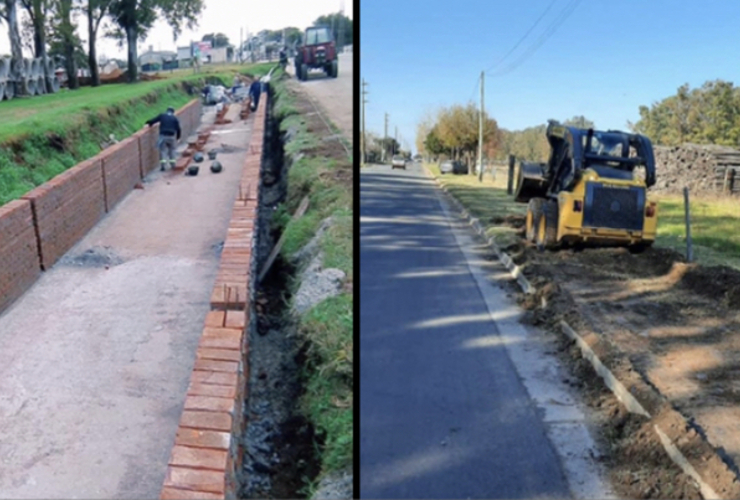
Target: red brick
(209, 403)
(216, 365)
(220, 391)
(206, 420)
(121, 170)
(203, 439)
(219, 354)
(178, 494)
(215, 378)
(221, 338)
(198, 458)
(235, 319)
(215, 318)
(199, 480)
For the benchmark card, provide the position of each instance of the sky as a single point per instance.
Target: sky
(224, 16)
(602, 61)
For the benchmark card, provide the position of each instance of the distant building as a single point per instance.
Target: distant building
(184, 57)
(218, 55)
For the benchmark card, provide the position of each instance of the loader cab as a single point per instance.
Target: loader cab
(611, 154)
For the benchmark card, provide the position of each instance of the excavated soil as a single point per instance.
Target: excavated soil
(678, 324)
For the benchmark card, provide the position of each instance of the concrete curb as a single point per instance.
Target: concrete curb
(708, 482)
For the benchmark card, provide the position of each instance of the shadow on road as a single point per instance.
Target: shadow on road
(442, 411)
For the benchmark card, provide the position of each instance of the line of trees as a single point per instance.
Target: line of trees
(452, 133)
(50, 28)
(709, 114)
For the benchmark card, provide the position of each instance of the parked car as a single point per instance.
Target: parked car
(453, 167)
(398, 161)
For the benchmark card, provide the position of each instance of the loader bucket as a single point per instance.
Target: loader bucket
(530, 182)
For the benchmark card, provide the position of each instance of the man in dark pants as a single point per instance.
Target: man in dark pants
(169, 134)
(254, 93)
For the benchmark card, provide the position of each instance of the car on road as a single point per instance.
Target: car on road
(453, 167)
(398, 161)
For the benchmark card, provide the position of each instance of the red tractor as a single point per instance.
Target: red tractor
(318, 51)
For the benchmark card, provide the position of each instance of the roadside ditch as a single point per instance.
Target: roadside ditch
(298, 435)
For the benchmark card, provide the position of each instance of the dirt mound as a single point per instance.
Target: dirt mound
(714, 282)
(700, 167)
(652, 262)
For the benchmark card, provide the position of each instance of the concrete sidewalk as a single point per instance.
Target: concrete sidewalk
(96, 357)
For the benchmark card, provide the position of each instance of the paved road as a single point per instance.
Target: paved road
(333, 94)
(443, 411)
(96, 357)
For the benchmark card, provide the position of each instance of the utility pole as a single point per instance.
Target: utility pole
(480, 127)
(395, 141)
(241, 44)
(364, 139)
(385, 138)
(340, 37)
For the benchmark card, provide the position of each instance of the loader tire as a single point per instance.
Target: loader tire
(547, 228)
(534, 213)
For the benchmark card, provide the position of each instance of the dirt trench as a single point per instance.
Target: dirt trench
(279, 443)
(677, 327)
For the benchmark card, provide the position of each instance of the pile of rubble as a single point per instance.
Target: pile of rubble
(701, 168)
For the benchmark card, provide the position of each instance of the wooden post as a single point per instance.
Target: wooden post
(726, 183)
(689, 247)
(510, 184)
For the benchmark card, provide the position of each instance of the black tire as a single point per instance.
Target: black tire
(304, 72)
(641, 246)
(547, 229)
(334, 68)
(534, 213)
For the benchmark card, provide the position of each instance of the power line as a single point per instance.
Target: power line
(524, 36)
(551, 29)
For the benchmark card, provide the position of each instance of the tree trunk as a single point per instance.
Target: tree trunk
(39, 42)
(15, 38)
(73, 82)
(92, 57)
(70, 64)
(131, 38)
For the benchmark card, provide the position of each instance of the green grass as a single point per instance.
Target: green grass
(33, 160)
(485, 200)
(25, 116)
(327, 327)
(84, 119)
(328, 398)
(714, 224)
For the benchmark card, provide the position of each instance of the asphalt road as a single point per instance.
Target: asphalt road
(443, 411)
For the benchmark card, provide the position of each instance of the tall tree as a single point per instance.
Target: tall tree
(37, 12)
(217, 40)
(134, 18)
(9, 13)
(339, 24)
(580, 122)
(95, 10)
(65, 31)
